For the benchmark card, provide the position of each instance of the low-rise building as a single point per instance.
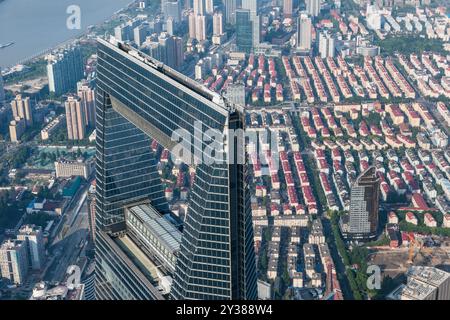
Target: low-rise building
(446, 221)
(52, 127)
(66, 168)
(411, 218)
(429, 220)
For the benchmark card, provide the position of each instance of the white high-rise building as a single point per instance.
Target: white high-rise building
(87, 97)
(33, 236)
(197, 26)
(140, 34)
(218, 24)
(14, 261)
(373, 17)
(327, 45)
(17, 128)
(172, 9)
(313, 7)
(75, 118)
(304, 32)
(287, 8)
(209, 6)
(192, 25)
(230, 11)
(64, 69)
(200, 28)
(21, 107)
(251, 5)
(199, 7)
(170, 26)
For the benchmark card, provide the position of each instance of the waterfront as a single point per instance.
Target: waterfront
(35, 26)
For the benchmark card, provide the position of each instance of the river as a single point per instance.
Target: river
(37, 25)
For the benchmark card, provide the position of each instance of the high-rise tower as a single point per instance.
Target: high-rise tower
(362, 220)
(137, 98)
(304, 32)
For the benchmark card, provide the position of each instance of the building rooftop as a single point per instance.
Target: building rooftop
(214, 97)
(159, 226)
(30, 229)
(11, 244)
(414, 290)
(422, 283)
(429, 275)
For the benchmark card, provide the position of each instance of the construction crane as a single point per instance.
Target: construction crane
(413, 243)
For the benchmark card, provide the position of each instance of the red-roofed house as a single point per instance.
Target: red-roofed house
(429, 220)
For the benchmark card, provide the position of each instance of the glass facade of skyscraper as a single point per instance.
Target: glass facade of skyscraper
(138, 97)
(244, 31)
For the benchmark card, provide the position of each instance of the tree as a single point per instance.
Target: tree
(387, 285)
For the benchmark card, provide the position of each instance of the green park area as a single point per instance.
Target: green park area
(44, 157)
(409, 44)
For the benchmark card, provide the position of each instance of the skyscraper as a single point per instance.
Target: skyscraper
(252, 6)
(217, 24)
(304, 32)
(140, 33)
(327, 46)
(170, 26)
(87, 100)
(362, 220)
(230, 11)
(32, 236)
(171, 50)
(197, 26)
(209, 6)
(192, 26)
(17, 128)
(200, 27)
(313, 7)
(64, 69)
(172, 9)
(14, 261)
(178, 53)
(125, 31)
(287, 8)
(75, 118)
(21, 107)
(219, 36)
(199, 7)
(216, 258)
(244, 31)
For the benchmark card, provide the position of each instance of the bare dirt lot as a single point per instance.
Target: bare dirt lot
(395, 261)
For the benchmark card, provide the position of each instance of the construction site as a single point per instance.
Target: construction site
(414, 250)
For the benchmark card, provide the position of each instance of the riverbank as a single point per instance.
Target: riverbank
(42, 31)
